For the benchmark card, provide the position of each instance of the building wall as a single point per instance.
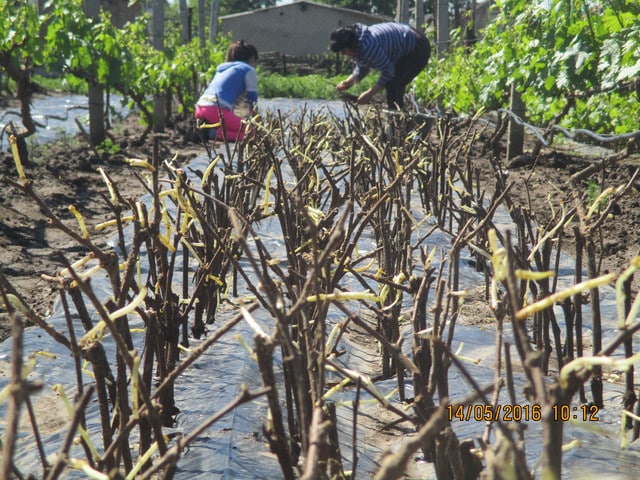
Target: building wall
(121, 11)
(299, 28)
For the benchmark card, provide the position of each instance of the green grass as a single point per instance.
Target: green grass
(66, 84)
(306, 86)
(271, 85)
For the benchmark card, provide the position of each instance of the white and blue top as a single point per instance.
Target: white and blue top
(231, 80)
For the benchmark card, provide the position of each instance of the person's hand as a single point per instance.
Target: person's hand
(345, 85)
(366, 97)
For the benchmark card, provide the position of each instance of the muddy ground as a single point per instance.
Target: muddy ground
(65, 173)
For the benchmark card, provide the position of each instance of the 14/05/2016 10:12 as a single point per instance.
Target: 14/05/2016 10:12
(518, 413)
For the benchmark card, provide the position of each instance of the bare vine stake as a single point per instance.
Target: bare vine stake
(630, 397)
(345, 185)
(100, 384)
(596, 323)
(19, 390)
(577, 303)
(498, 381)
(80, 407)
(275, 433)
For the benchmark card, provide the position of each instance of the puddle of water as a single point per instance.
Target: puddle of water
(56, 116)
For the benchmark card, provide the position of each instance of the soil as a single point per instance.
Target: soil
(65, 173)
(573, 175)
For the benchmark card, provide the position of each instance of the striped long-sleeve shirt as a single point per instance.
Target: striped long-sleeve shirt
(380, 46)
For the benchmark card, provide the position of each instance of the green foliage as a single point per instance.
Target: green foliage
(93, 51)
(451, 78)
(55, 84)
(576, 62)
(580, 51)
(307, 86)
(123, 60)
(108, 147)
(19, 25)
(593, 191)
(190, 61)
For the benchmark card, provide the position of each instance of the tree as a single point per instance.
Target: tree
(97, 131)
(573, 62)
(19, 51)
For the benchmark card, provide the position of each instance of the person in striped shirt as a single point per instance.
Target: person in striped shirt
(397, 51)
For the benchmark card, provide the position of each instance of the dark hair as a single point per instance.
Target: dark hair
(344, 37)
(240, 51)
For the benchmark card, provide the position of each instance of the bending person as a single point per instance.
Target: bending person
(233, 78)
(398, 51)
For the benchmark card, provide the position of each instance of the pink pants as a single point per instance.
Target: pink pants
(232, 123)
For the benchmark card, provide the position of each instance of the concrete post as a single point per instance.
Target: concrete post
(201, 17)
(442, 27)
(419, 15)
(159, 112)
(516, 131)
(185, 34)
(213, 21)
(402, 11)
